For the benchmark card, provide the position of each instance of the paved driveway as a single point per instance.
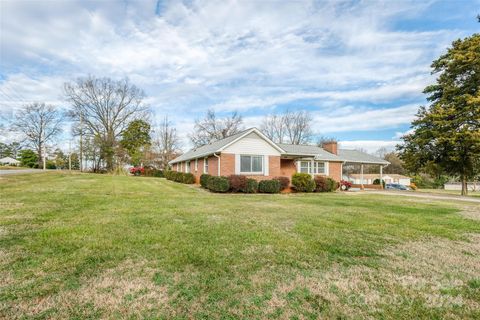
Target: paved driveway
(426, 195)
(20, 171)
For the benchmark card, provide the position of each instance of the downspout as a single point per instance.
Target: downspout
(218, 167)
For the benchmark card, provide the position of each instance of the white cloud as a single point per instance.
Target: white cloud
(363, 119)
(250, 56)
(371, 146)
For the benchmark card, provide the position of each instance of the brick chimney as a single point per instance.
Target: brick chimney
(330, 146)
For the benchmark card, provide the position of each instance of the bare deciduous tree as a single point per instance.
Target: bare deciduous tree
(324, 139)
(290, 127)
(273, 126)
(166, 143)
(212, 128)
(39, 123)
(105, 107)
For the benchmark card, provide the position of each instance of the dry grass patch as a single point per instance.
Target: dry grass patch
(124, 291)
(471, 212)
(432, 273)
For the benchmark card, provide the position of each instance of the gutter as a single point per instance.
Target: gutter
(218, 167)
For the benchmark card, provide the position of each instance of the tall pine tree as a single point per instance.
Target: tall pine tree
(447, 131)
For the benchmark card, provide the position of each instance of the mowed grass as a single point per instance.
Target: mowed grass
(454, 192)
(86, 246)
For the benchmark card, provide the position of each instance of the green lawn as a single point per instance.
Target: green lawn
(95, 246)
(442, 191)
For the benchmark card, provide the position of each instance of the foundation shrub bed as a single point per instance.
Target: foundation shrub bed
(303, 182)
(269, 186)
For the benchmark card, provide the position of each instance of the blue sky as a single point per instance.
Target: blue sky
(359, 67)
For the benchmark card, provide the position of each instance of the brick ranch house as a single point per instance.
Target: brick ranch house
(252, 154)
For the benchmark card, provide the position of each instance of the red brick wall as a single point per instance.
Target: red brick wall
(274, 166)
(227, 164)
(335, 171)
(287, 168)
(212, 166)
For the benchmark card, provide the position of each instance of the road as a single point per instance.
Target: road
(20, 171)
(426, 195)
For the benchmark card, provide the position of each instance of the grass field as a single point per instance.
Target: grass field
(88, 246)
(454, 192)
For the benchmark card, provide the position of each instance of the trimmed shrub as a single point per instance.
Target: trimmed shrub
(269, 186)
(188, 178)
(325, 184)
(377, 181)
(204, 180)
(158, 173)
(252, 186)
(321, 184)
(218, 184)
(284, 182)
(238, 183)
(332, 185)
(179, 176)
(302, 182)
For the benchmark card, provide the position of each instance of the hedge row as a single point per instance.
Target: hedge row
(181, 177)
(239, 183)
(303, 182)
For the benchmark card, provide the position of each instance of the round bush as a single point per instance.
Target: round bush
(238, 183)
(218, 184)
(377, 181)
(269, 186)
(321, 184)
(252, 186)
(188, 178)
(325, 184)
(168, 174)
(332, 185)
(204, 180)
(284, 182)
(302, 182)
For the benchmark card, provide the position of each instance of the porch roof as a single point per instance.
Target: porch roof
(303, 150)
(354, 156)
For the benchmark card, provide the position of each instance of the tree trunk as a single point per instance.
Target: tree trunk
(40, 155)
(464, 186)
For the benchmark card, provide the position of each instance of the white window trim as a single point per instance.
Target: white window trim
(187, 166)
(264, 170)
(205, 165)
(310, 170)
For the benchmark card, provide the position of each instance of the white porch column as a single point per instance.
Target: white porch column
(381, 176)
(312, 162)
(361, 177)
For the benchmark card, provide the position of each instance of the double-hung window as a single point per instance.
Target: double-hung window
(251, 164)
(205, 165)
(187, 166)
(317, 168)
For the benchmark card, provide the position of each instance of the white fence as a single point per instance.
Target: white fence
(457, 186)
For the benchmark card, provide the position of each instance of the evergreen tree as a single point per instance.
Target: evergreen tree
(447, 132)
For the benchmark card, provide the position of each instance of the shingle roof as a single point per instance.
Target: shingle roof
(289, 149)
(377, 175)
(360, 157)
(308, 150)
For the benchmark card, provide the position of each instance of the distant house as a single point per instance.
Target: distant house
(252, 154)
(388, 178)
(457, 186)
(9, 161)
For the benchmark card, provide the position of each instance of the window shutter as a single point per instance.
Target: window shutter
(265, 165)
(237, 163)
